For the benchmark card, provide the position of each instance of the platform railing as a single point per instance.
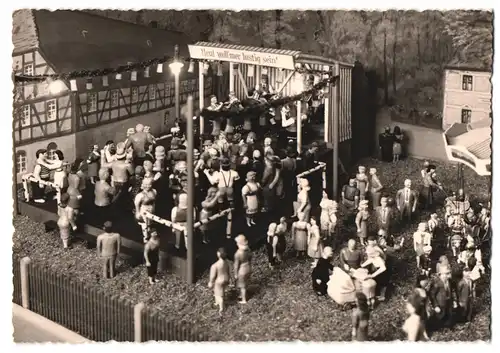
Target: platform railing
(26, 178)
(89, 310)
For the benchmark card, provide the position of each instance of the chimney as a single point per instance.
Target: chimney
(153, 24)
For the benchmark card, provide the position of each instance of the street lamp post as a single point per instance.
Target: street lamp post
(175, 66)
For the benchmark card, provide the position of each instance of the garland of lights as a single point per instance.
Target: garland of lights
(263, 107)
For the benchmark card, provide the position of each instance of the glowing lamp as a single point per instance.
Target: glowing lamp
(56, 87)
(176, 66)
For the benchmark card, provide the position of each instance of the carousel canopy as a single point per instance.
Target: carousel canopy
(470, 144)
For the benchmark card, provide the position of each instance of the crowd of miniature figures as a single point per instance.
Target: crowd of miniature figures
(243, 171)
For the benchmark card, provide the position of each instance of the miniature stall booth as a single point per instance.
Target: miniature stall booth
(285, 72)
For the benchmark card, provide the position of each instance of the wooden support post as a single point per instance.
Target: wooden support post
(231, 77)
(201, 89)
(335, 133)
(138, 322)
(191, 193)
(299, 127)
(25, 285)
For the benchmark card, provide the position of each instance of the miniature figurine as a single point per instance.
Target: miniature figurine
(138, 142)
(271, 244)
(385, 216)
(159, 164)
(322, 270)
(414, 326)
(144, 203)
(93, 163)
(267, 146)
(350, 257)
(472, 259)
(175, 154)
(424, 171)
(300, 234)
(421, 238)
(386, 141)
(314, 242)
(362, 219)
(442, 262)
(152, 256)
(406, 202)
(60, 175)
(465, 295)
(425, 261)
(108, 248)
(121, 171)
(362, 182)
(434, 225)
(242, 266)
(219, 278)
(179, 216)
(209, 206)
(441, 295)
(397, 146)
(457, 226)
(429, 184)
(350, 195)
(250, 194)
(328, 217)
(103, 195)
(380, 274)
(147, 130)
(66, 220)
(74, 194)
(375, 188)
(271, 182)
(302, 207)
(149, 155)
(360, 318)
(136, 182)
(224, 179)
(41, 172)
(256, 164)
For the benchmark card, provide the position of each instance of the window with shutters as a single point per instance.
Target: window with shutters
(466, 116)
(21, 161)
(25, 116)
(28, 69)
(467, 82)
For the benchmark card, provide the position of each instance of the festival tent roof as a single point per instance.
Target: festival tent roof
(470, 144)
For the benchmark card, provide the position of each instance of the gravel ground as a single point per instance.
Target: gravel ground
(282, 305)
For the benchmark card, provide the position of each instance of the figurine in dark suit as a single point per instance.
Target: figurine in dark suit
(406, 202)
(464, 296)
(385, 216)
(441, 295)
(385, 142)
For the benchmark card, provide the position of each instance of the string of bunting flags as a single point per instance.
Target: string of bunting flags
(264, 106)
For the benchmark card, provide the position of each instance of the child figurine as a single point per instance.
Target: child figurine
(219, 278)
(300, 234)
(302, 206)
(362, 219)
(457, 226)
(421, 238)
(465, 296)
(314, 243)
(362, 182)
(271, 244)
(425, 261)
(145, 202)
(152, 256)
(93, 164)
(250, 194)
(242, 266)
(66, 220)
(209, 206)
(328, 217)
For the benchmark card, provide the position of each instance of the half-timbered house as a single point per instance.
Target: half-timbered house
(100, 108)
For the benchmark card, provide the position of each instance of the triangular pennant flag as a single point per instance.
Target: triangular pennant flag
(133, 76)
(159, 69)
(118, 76)
(105, 82)
(251, 70)
(146, 72)
(73, 85)
(89, 85)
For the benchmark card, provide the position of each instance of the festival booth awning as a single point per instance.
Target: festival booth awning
(470, 144)
(288, 73)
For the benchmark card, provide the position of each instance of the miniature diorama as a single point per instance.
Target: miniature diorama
(148, 159)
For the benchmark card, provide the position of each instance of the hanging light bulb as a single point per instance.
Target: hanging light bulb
(146, 72)
(56, 87)
(191, 67)
(118, 76)
(159, 68)
(176, 65)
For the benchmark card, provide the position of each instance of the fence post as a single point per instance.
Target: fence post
(25, 288)
(138, 322)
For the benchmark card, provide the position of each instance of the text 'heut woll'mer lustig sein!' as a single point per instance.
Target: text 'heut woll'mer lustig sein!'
(240, 56)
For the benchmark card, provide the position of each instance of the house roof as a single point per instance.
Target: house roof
(468, 65)
(74, 40)
(476, 138)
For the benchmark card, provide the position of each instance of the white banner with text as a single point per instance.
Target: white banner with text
(242, 57)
